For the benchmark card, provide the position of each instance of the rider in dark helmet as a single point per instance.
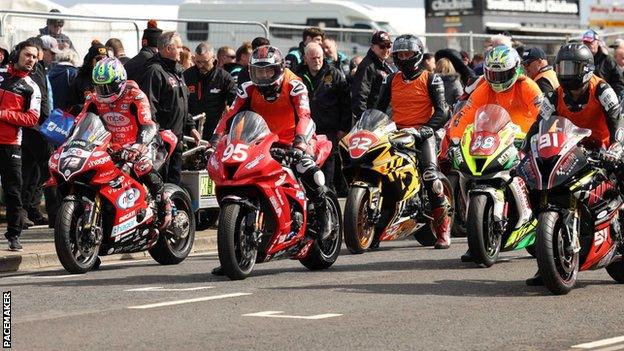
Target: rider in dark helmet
(281, 98)
(419, 106)
(588, 102)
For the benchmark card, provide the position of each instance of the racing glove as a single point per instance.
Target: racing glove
(133, 152)
(614, 153)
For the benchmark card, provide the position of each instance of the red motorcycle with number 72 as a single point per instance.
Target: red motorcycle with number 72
(265, 213)
(105, 210)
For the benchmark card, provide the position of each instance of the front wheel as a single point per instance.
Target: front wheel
(77, 253)
(484, 242)
(616, 271)
(236, 246)
(324, 253)
(359, 230)
(558, 264)
(176, 242)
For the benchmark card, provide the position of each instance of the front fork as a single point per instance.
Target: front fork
(92, 214)
(571, 222)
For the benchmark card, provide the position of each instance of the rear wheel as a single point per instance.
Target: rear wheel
(237, 251)
(324, 253)
(558, 264)
(359, 230)
(76, 252)
(484, 242)
(176, 242)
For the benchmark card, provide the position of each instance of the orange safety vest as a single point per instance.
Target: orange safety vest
(592, 116)
(279, 114)
(550, 76)
(522, 101)
(411, 104)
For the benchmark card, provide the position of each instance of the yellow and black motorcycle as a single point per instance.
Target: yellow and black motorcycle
(387, 200)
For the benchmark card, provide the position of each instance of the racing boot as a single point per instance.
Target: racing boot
(467, 257)
(536, 280)
(217, 271)
(442, 227)
(164, 211)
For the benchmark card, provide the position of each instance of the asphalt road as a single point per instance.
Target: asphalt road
(402, 297)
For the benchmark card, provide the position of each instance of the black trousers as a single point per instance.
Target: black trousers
(35, 155)
(11, 175)
(171, 171)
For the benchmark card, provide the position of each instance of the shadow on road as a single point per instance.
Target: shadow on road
(463, 288)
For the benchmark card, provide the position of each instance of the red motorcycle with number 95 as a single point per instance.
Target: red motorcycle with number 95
(265, 213)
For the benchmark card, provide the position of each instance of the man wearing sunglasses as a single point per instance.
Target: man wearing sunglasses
(537, 68)
(53, 28)
(370, 74)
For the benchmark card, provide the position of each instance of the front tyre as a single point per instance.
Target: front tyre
(616, 271)
(557, 263)
(176, 242)
(359, 230)
(237, 254)
(324, 253)
(484, 242)
(76, 254)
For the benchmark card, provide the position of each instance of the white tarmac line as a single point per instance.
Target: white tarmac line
(160, 288)
(277, 314)
(180, 302)
(600, 343)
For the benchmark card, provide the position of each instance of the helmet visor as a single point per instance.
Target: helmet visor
(499, 77)
(569, 68)
(107, 90)
(263, 75)
(403, 45)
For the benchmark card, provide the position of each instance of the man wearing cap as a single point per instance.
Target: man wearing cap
(537, 68)
(50, 49)
(605, 65)
(370, 74)
(136, 66)
(53, 28)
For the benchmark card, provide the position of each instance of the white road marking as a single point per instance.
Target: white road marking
(160, 288)
(180, 302)
(48, 276)
(600, 343)
(276, 314)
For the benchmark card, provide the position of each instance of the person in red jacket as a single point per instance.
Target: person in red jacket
(281, 98)
(20, 105)
(125, 111)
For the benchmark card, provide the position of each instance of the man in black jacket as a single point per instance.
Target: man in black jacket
(330, 102)
(168, 95)
(136, 65)
(211, 88)
(294, 59)
(370, 74)
(605, 65)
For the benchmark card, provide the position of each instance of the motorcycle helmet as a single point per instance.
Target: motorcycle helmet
(501, 68)
(574, 65)
(266, 70)
(109, 79)
(408, 43)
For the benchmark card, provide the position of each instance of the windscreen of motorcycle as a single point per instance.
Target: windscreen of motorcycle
(246, 127)
(489, 121)
(374, 121)
(88, 133)
(557, 135)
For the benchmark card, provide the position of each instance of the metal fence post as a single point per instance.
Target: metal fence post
(471, 44)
